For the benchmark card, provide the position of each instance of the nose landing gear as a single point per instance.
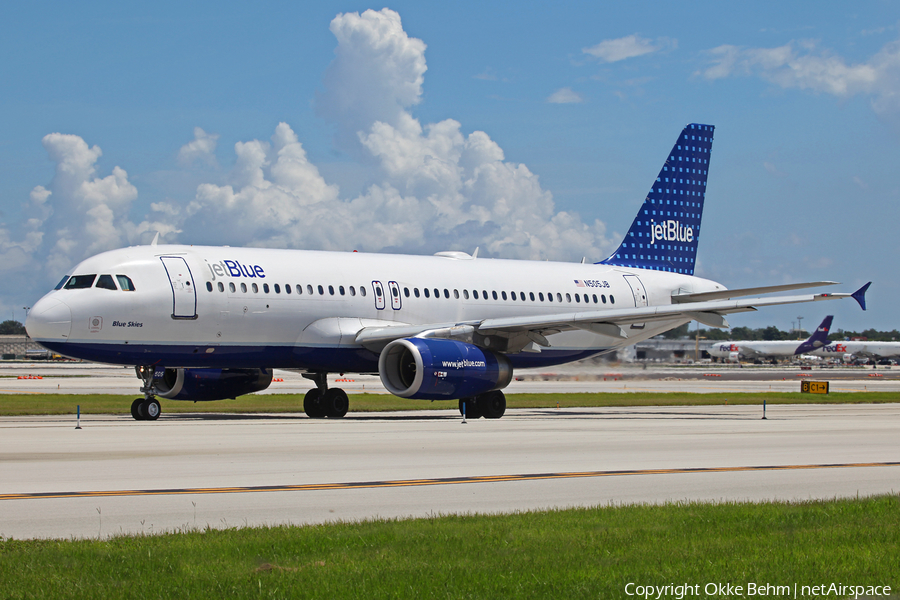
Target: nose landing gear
(146, 408)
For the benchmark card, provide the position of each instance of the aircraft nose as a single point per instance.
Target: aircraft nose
(49, 319)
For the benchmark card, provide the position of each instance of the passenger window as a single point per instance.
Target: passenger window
(603, 298)
(125, 283)
(558, 297)
(550, 297)
(61, 283)
(465, 294)
(577, 298)
(231, 287)
(255, 288)
(105, 282)
(221, 287)
(321, 291)
(244, 288)
(80, 282)
(513, 294)
(341, 290)
(503, 294)
(265, 288)
(406, 292)
(352, 291)
(208, 285)
(427, 293)
(437, 293)
(541, 296)
(331, 290)
(456, 294)
(494, 294)
(484, 294)
(416, 292)
(277, 289)
(475, 294)
(612, 300)
(362, 291)
(287, 288)
(595, 298)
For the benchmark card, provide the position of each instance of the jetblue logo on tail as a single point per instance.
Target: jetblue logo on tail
(670, 231)
(665, 232)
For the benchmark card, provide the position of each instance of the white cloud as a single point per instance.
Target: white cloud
(802, 65)
(435, 188)
(629, 46)
(377, 73)
(565, 96)
(202, 148)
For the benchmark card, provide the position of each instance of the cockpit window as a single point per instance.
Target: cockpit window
(80, 282)
(125, 283)
(61, 283)
(106, 282)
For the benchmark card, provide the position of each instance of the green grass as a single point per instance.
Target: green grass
(63, 404)
(578, 553)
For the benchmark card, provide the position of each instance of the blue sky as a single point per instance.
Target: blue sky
(528, 129)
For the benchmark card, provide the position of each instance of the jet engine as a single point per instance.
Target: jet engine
(734, 357)
(439, 369)
(209, 384)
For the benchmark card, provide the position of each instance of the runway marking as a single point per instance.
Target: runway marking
(438, 481)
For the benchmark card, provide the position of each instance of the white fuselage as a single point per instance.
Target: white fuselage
(248, 307)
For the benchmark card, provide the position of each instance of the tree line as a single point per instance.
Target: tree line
(772, 333)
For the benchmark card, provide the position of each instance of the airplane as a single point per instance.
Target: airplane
(209, 323)
(848, 351)
(734, 351)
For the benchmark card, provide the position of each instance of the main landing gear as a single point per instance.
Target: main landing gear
(146, 408)
(321, 402)
(490, 405)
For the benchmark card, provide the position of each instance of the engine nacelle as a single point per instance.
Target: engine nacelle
(209, 384)
(438, 369)
(734, 357)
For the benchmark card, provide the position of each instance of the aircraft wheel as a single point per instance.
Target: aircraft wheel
(335, 403)
(150, 409)
(472, 408)
(312, 404)
(136, 409)
(492, 404)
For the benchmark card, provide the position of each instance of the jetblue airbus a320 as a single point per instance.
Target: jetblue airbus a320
(208, 323)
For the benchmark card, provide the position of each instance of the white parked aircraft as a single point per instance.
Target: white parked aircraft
(735, 351)
(208, 323)
(848, 351)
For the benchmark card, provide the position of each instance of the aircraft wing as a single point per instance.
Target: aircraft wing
(612, 322)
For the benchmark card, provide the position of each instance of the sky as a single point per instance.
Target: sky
(528, 130)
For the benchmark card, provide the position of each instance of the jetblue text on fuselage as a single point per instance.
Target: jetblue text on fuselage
(233, 268)
(670, 231)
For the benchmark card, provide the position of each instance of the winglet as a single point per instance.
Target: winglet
(155, 239)
(860, 295)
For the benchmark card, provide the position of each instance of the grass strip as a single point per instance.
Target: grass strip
(577, 553)
(65, 404)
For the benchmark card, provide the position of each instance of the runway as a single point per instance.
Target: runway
(92, 378)
(116, 475)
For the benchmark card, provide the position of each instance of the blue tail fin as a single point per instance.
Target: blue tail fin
(665, 232)
(818, 339)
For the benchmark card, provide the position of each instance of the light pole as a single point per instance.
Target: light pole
(799, 324)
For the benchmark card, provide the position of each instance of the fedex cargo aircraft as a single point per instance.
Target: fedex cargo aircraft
(209, 323)
(734, 351)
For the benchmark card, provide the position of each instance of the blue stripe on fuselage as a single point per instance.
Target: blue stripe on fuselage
(331, 360)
